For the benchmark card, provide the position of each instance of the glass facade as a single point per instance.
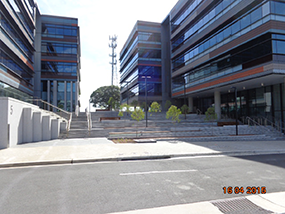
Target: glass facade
(9, 91)
(245, 48)
(60, 59)
(141, 57)
(264, 102)
(57, 31)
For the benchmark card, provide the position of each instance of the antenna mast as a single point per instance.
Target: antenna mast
(113, 45)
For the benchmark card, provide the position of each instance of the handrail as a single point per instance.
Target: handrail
(278, 124)
(259, 124)
(69, 115)
(89, 120)
(198, 111)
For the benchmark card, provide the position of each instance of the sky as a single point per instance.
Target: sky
(99, 19)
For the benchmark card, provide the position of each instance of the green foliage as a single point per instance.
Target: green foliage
(101, 97)
(211, 114)
(167, 104)
(185, 110)
(111, 103)
(173, 113)
(155, 107)
(124, 108)
(137, 115)
(121, 114)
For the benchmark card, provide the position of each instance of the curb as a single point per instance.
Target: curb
(136, 158)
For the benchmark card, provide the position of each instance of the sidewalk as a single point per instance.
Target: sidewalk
(101, 149)
(269, 203)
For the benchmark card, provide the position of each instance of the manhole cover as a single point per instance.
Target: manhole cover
(239, 205)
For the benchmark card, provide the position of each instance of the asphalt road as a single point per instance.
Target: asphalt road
(123, 186)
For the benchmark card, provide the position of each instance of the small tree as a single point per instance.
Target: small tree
(111, 103)
(173, 113)
(167, 104)
(211, 114)
(155, 107)
(185, 110)
(124, 108)
(137, 115)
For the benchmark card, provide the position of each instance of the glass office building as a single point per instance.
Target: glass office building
(59, 61)
(39, 55)
(218, 47)
(140, 64)
(17, 24)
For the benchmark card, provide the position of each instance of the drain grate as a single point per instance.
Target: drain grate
(239, 205)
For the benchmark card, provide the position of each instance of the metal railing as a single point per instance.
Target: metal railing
(264, 122)
(89, 120)
(56, 111)
(198, 111)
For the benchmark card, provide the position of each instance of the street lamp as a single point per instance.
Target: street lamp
(236, 109)
(145, 78)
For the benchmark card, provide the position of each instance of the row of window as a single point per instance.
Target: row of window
(203, 21)
(130, 47)
(18, 12)
(13, 33)
(150, 37)
(256, 49)
(60, 93)
(153, 89)
(142, 36)
(231, 32)
(51, 29)
(60, 67)
(153, 71)
(13, 66)
(59, 48)
(176, 22)
(9, 91)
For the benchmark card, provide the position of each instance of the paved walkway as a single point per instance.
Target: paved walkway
(101, 149)
(269, 203)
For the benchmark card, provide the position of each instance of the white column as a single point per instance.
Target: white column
(48, 93)
(65, 95)
(76, 94)
(71, 96)
(190, 104)
(37, 127)
(54, 94)
(27, 125)
(218, 104)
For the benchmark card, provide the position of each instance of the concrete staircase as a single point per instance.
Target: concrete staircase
(194, 127)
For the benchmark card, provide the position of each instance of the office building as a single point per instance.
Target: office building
(140, 62)
(218, 47)
(17, 48)
(40, 55)
(57, 67)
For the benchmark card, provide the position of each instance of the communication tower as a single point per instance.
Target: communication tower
(113, 45)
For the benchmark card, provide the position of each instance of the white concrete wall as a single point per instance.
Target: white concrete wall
(3, 124)
(21, 122)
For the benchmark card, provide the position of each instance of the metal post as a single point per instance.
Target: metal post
(145, 77)
(236, 109)
(145, 103)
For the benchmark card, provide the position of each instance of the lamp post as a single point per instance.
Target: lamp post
(236, 109)
(145, 78)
